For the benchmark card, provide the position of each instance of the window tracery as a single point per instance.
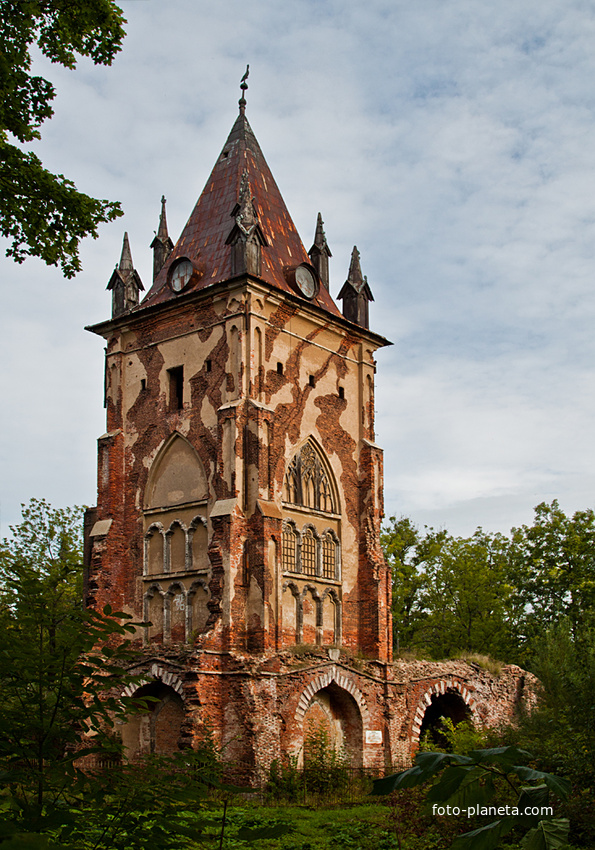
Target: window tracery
(307, 482)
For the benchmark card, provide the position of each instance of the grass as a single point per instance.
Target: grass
(396, 823)
(483, 661)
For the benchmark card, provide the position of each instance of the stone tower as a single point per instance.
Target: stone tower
(239, 469)
(239, 485)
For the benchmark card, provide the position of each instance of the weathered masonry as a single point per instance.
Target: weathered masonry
(240, 492)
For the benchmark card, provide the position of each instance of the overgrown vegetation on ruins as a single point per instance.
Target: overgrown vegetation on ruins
(58, 660)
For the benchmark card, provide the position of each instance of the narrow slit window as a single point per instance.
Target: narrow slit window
(341, 392)
(209, 365)
(176, 388)
(312, 381)
(143, 383)
(280, 368)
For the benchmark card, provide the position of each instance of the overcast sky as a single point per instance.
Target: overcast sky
(453, 141)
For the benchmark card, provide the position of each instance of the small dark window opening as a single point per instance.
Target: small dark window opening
(209, 365)
(312, 381)
(176, 388)
(341, 392)
(143, 383)
(280, 368)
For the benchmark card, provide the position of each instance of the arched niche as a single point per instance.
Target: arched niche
(177, 476)
(199, 596)
(154, 614)
(331, 618)
(333, 720)
(449, 704)
(156, 730)
(309, 480)
(176, 607)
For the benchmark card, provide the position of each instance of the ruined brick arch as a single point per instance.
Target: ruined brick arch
(197, 543)
(309, 480)
(311, 631)
(156, 673)
(176, 547)
(158, 728)
(439, 689)
(331, 676)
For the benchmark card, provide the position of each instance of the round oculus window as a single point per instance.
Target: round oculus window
(306, 281)
(180, 275)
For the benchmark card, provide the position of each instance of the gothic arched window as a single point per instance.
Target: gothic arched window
(329, 556)
(289, 548)
(308, 552)
(307, 481)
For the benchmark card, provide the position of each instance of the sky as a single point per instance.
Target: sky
(452, 141)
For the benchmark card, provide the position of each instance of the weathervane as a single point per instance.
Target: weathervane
(244, 86)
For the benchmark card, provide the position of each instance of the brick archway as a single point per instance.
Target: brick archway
(439, 689)
(332, 712)
(323, 681)
(156, 672)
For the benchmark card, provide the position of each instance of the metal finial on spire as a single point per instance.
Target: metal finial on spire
(243, 86)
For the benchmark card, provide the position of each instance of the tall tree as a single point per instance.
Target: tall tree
(451, 594)
(554, 563)
(56, 659)
(43, 213)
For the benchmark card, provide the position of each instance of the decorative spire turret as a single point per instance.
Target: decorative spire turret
(320, 252)
(162, 245)
(356, 293)
(125, 282)
(244, 88)
(246, 236)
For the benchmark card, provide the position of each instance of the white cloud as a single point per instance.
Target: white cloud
(454, 143)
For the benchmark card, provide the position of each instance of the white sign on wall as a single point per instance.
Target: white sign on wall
(373, 736)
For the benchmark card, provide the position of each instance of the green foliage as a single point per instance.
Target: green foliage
(56, 661)
(460, 738)
(560, 730)
(553, 564)
(450, 594)
(325, 772)
(483, 779)
(489, 594)
(42, 213)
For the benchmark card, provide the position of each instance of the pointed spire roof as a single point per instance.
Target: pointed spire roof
(125, 269)
(203, 239)
(162, 234)
(320, 238)
(355, 279)
(126, 256)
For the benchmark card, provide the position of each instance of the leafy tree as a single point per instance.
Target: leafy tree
(56, 659)
(554, 572)
(450, 594)
(43, 213)
(468, 597)
(406, 551)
